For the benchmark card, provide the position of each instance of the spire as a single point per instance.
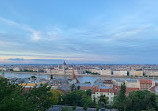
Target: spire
(73, 74)
(64, 63)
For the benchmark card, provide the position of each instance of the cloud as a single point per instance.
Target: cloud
(16, 59)
(127, 33)
(32, 61)
(35, 34)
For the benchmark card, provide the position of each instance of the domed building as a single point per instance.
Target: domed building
(64, 70)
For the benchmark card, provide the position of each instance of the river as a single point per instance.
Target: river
(82, 79)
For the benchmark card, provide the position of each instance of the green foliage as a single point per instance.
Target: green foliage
(77, 98)
(78, 87)
(33, 77)
(89, 72)
(51, 77)
(142, 100)
(120, 99)
(87, 82)
(56, 96)
(26, 70)
(14, 98)
(89, 92)
(73, 87)
(136, 100)
(39, 98)
(66, 109)
(73, 107)
(103, 100)
(85, 107)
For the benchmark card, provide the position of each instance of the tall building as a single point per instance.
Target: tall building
(64, 70)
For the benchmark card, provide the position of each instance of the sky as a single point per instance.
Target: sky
(79, 31)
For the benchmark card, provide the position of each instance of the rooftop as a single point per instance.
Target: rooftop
(145, 81)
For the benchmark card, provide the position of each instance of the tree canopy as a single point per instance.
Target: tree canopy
(78, 98)
(136, 100)
(14, 97)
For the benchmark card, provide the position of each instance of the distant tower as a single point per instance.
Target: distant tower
(74, 76)
(64, 67)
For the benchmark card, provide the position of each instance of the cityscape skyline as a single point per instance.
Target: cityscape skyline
(102, 32)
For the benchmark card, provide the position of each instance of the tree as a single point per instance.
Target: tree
(73, 108)
(39, 97)
(78, 87)
(85, 107)
(66, 109)
(56, 96)
(142, 100)
(11, 97)
(103, 100)
(89, 92)
(77, 98)
(34, 77)
(14, 98)
(120, 99)
(51, 77)
(72, 87)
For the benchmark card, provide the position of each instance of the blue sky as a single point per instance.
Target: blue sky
(79, 31)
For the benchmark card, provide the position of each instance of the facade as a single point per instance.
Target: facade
(96, 96)
(136, 73)
(120, 73)
(108, 83)
(118, 82)
(64, 70)
(16, 69)
(132, 83)
(146, 84)
(151, 73)
(105, 72)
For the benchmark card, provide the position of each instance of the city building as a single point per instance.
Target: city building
(64, 70)
(136, 73)
(132, 83)
(74, 79)
(151, 73)
(146, 84)
(106, 72)
(120, 73)
(103, 91)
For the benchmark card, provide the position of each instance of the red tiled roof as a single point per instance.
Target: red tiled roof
(131, 89)
(73, 75)
(105, 90)
(95, 89)
(145, 81)
(86, 87)
(152, 89)
(115, 89)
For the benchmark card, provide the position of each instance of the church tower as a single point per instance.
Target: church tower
(64, 67)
